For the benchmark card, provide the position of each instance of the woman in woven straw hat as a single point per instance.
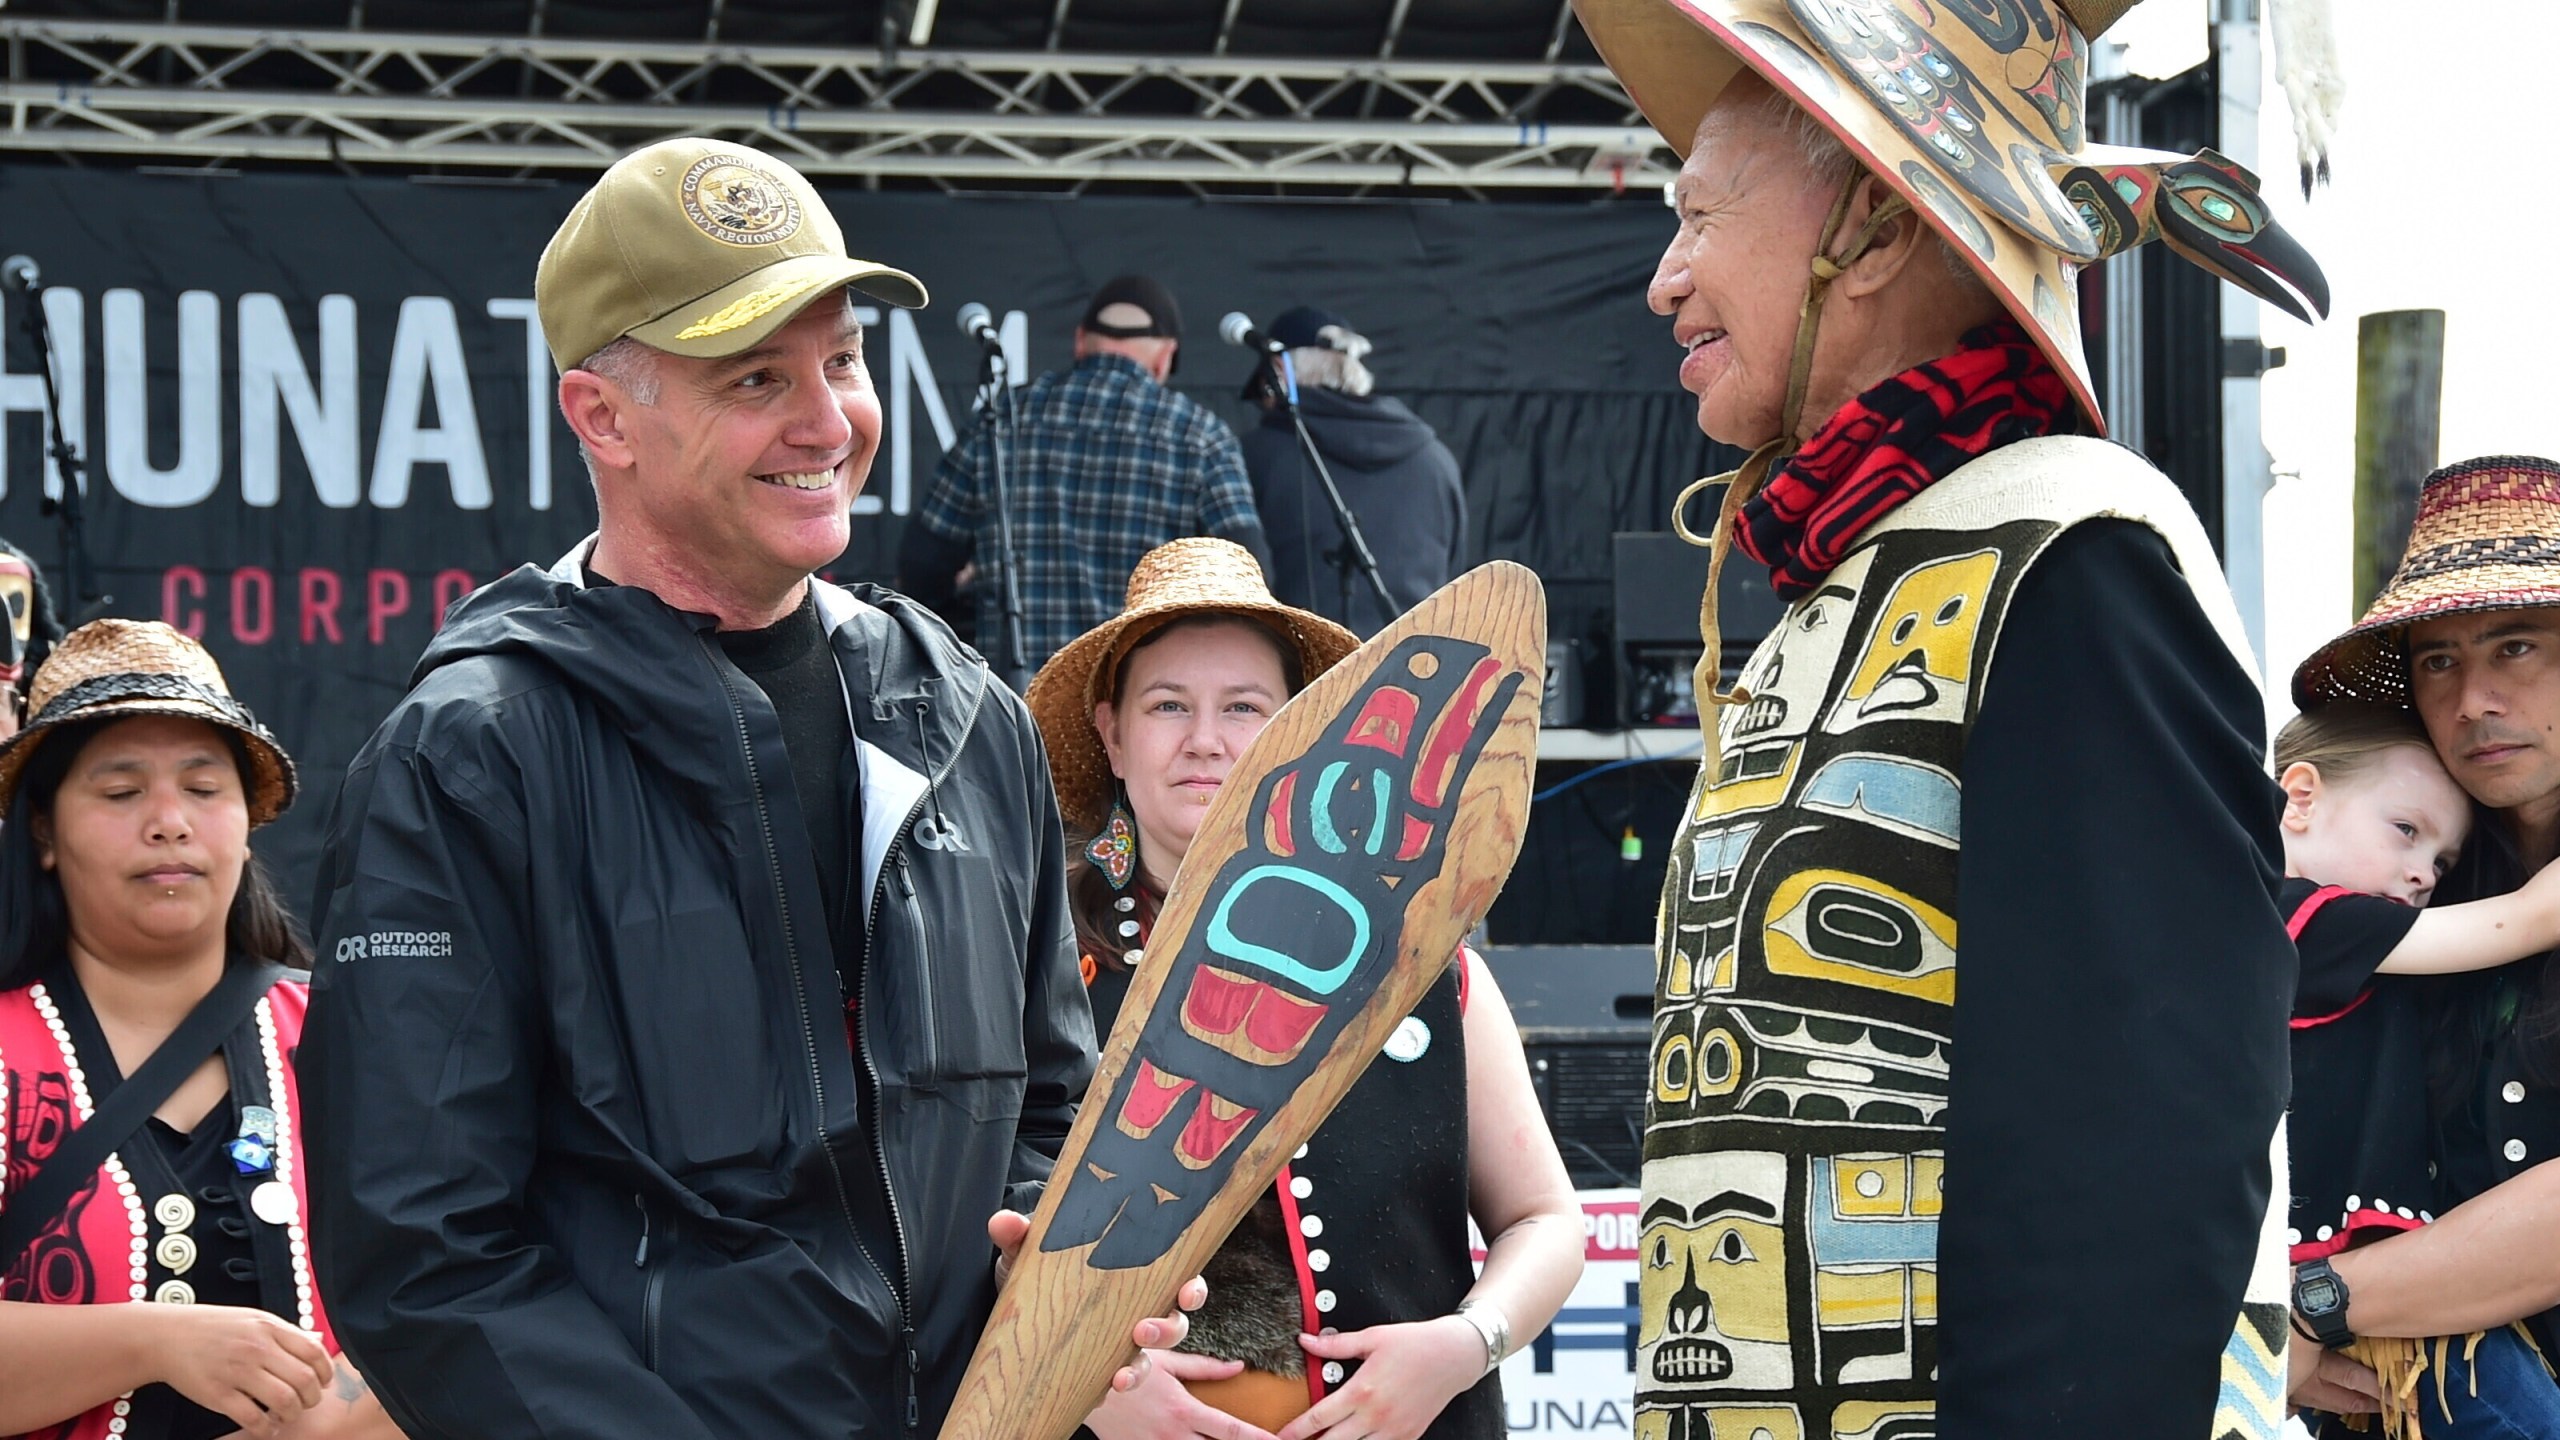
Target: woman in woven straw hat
(133, 920)
(1345, 1302)
(1867, 1209)
(2466, 635)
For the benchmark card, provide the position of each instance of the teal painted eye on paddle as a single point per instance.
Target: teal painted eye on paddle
(1324, 980)
(1320, 812)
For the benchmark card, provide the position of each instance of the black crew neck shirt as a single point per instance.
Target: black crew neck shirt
(792, 663)
(2357, 1124)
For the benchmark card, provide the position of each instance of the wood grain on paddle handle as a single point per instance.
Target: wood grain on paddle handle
(1361, 837)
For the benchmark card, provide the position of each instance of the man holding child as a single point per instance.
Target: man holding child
(2467, 635)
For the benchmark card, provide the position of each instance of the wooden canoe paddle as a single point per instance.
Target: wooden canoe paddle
(1362, 836)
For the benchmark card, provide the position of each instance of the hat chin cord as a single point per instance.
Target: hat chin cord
(1742, 484)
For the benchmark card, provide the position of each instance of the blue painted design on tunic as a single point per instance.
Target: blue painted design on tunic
(1898, 792)
(1882, 1241)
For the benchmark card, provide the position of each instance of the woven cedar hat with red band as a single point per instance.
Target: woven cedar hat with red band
(2487, 537)
(112, 669)
(1196, 576)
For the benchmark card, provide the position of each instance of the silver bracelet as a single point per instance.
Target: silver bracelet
(1493, 1326)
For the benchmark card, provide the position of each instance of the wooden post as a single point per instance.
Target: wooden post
(2399, 406)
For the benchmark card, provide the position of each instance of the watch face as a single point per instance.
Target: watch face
(2319, 1294)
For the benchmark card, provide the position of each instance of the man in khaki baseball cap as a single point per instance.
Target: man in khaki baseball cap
(749, 1013)
(698, 301)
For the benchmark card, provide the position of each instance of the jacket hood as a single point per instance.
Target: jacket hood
(1364, 432)
(637, 658)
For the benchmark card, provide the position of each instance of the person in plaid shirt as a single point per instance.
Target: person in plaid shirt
(1107, 464)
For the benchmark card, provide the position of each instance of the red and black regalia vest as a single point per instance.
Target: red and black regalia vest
(131, 1232)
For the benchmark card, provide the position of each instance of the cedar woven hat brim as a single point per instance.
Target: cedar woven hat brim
(2486, 537)
(1196, 576)
(1977, 121)
(115, 669)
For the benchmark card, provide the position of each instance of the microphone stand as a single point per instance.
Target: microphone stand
(1353, 554)
(66, 509)
(997, 416)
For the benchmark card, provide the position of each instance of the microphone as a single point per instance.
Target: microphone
(979, 325)
(1237, 329)
(19, 273)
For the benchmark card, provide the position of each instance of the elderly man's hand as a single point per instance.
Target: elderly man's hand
(2318, 1379)
(1008, 1228)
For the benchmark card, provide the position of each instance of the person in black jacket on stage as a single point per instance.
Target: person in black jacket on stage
(1399, 480)
(695, 979)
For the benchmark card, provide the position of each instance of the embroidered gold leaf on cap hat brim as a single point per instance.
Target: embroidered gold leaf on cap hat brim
(2486, 537)
(745, 314)
(112, 669)
(1194, 576)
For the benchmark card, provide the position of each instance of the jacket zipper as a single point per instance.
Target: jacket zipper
(896, 856)
(652, 1287)
(809, 1043)
(932, 1036)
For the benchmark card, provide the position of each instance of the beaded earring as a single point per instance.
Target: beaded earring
(1114, 850)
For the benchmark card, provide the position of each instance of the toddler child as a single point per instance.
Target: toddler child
(2371, 823)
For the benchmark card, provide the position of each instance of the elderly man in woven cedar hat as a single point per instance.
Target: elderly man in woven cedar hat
(2467, 633)
(2054, 1208)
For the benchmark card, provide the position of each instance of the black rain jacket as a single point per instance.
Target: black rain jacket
(590, 1140)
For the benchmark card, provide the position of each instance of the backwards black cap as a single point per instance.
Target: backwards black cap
(1164, 317)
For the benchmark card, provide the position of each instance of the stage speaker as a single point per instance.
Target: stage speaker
(1561, 707)
(1586, 1020)
(1657, 581)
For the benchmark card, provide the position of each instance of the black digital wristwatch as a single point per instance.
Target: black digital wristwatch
(2320, 1301)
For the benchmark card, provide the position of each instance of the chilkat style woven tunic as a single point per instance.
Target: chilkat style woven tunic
(1808, 1125)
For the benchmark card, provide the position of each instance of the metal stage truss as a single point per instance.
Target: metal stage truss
(186, 94)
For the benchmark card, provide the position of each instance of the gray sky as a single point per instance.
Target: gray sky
(2433, 161)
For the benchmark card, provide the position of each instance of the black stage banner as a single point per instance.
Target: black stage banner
(317, 410)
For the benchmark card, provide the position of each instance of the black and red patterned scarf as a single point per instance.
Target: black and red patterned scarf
(1890, 443)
